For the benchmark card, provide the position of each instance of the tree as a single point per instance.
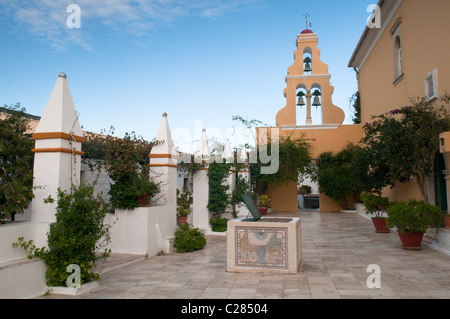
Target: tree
(356, 99)
(16, 161)
(294, 157)
(402, 143)
(345, 175)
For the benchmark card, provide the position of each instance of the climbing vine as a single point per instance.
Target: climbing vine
(76, 238)
(218, 197)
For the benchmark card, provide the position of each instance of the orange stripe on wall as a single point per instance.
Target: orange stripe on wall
(163, 165)
(57, 150)
(66, 136)
(161, 156)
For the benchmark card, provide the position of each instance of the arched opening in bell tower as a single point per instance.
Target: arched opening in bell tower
(316, 104)
(307, 61)
(301, 104)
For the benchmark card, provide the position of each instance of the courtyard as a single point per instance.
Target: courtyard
(337, 248)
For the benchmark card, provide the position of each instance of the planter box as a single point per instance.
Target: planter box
(270, 245)
(74, 291)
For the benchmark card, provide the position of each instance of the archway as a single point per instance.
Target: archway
(440, 185)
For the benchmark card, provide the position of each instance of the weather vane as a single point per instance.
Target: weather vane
(308, 24)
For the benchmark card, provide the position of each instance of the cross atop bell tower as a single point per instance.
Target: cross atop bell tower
(308, 24)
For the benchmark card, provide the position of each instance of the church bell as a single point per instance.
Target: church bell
(307, 67)
(300, 102)
(316, 101)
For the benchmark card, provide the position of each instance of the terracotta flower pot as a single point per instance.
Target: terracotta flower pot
(446, 220)
(182, 220)
(380, 225)
(411, 241)
(263, 210)
(144, 200)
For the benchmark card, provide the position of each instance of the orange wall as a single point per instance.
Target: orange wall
(426, 46)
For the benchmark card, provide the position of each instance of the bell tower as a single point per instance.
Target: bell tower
(308, 85)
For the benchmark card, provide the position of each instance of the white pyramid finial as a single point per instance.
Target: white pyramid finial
(59, 114)
(203, 147)
(243, 156)
(228, 154)
(165, 136)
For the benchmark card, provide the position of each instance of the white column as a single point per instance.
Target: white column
(201, 214)
(228, 157)
(308, 109)
(57, 152)
(163, 170)
(244, 173)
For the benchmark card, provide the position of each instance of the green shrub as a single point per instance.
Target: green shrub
(16, 162)
(344, 175)
(75, 238)
(375, 204)
(125, 193)
(188, 239)
(218, 224)
(413, 216)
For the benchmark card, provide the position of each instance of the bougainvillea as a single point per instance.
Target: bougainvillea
(401, 143)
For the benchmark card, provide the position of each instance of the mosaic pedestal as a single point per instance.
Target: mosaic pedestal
(270, 245)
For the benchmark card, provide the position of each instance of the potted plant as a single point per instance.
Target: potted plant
(412, 219)
(376, 205)
(446, 220)
(145, 190)
(184, 201)
(304, 190)
(263, 204)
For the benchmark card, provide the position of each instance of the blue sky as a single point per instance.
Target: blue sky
(198, 60)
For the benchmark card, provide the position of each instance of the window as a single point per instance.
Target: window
(431, 85)
(398, 51)
(398, 58)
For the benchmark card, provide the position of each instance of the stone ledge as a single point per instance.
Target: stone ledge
(17, 262)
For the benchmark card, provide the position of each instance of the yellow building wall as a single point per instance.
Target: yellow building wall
(425, 47)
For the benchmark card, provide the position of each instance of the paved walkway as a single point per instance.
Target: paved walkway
(337, 248)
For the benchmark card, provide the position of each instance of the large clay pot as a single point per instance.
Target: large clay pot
(411, 241)
(144, 200)
(380, 225)
(446, 220)
(182, 220)
(263, 210)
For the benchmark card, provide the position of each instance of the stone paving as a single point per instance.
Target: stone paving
(337, 248)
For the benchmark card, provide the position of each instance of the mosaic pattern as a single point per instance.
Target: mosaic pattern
(261, 247)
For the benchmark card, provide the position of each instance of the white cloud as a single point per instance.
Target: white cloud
(46, 19)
